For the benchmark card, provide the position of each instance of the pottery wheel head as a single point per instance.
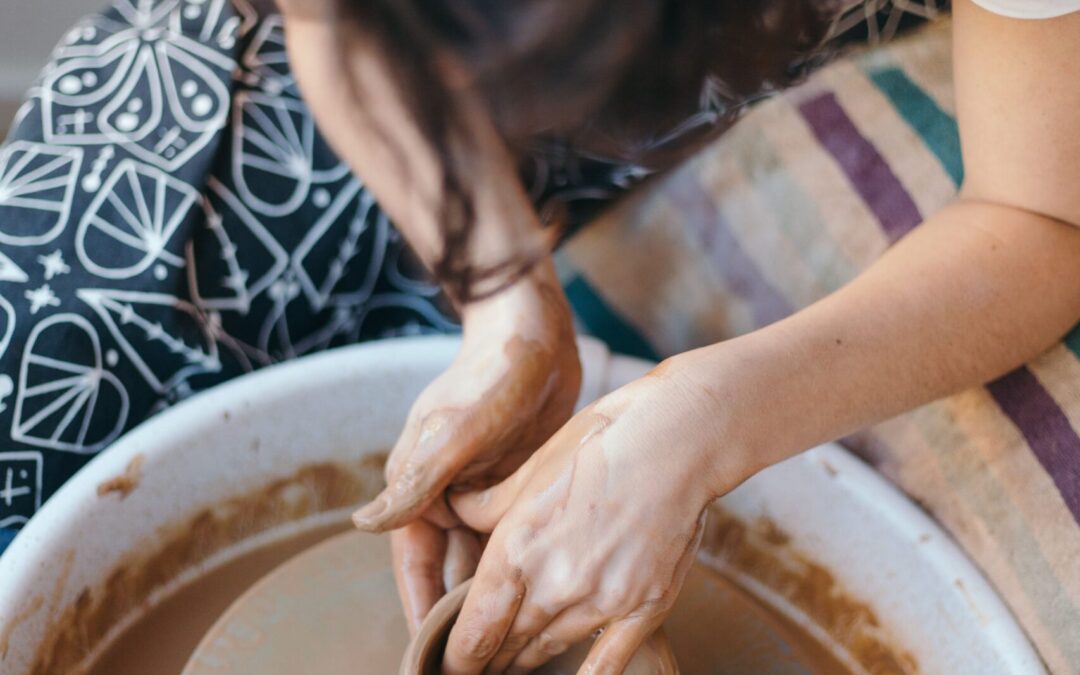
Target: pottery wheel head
(332, 609)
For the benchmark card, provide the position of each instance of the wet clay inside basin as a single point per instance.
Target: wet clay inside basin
(815, 565)
(751, 603)
(333, 606)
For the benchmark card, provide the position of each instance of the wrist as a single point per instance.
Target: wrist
(533, 307)
(718, 427)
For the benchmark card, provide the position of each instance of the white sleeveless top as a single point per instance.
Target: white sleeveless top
(1030, 9)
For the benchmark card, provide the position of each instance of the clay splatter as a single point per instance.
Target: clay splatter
(126, 482)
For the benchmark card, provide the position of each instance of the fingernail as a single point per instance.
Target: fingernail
(370, 516)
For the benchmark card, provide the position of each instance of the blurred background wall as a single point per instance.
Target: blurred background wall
(28, 31)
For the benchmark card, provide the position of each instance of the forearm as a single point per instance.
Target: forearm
(975, 292)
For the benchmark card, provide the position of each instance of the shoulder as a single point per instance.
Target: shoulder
(1030, 9)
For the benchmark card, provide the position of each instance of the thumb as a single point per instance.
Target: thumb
(408, 495)
(482, 510)
(414, 482)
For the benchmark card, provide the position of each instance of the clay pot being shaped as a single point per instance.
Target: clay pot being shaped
(424, 654)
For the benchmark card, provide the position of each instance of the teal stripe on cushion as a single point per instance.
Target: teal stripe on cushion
(1072, 341)
(604, 322)
(937, 128)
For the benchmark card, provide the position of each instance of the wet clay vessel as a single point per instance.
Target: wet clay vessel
(424, 654)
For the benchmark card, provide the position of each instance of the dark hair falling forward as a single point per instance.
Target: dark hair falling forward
(608, 77)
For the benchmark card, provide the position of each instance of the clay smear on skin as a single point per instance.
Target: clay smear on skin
(762, 553)
(513, 419)
(125, 482)
(314, 489)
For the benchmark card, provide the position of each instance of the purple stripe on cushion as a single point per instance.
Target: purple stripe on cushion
(864, 166)
(714, 235)
(1045, 428)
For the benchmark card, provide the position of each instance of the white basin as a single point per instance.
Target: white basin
(338, 407)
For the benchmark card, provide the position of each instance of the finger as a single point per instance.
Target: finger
(403, 447)
(419, 550)
(574, 625)
(399, 469)
(482, 510)
(486, 616)
(412, 490)
(440, 514)
(531, 619)
(615, 648)
(462, 555)
(434, 452)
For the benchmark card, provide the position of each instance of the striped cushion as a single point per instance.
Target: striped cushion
(802, 194)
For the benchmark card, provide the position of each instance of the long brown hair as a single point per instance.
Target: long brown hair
(612, 77)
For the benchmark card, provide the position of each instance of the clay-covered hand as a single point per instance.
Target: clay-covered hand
(513, 383)
(595, 532)
(511, 386)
